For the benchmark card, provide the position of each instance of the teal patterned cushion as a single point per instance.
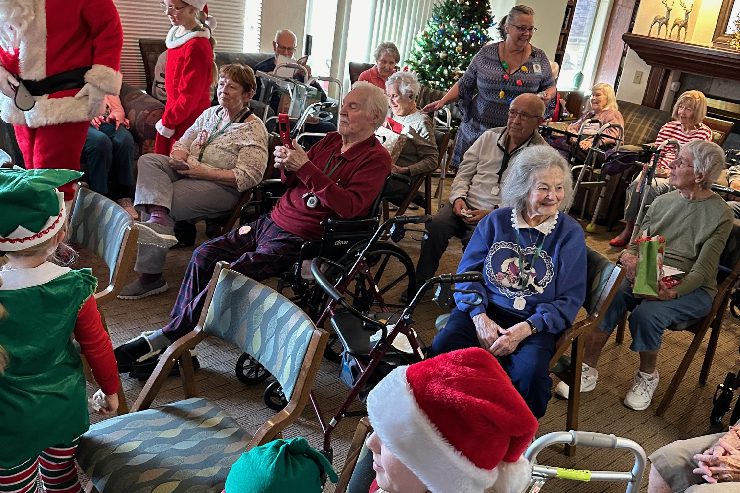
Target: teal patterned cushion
(188, 446)
(99, 224)
(261, 322)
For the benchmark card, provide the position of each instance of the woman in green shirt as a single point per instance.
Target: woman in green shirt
(696, 224)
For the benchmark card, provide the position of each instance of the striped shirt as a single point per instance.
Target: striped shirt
(674, 130)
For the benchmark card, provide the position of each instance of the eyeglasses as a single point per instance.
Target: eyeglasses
(286, 49)
(171, 8)
(524, 29)
(524, 116)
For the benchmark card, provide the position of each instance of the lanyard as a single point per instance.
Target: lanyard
(218, 132)
(326, 166)
(522, 274)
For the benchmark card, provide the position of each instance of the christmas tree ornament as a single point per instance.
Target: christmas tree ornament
(524, 69)
(501, 94)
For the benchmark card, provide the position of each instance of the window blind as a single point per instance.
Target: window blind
(146, 20)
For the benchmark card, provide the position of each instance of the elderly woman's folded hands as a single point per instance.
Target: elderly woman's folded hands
(721, 463)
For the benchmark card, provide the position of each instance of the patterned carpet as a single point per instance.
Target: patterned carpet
(601, 410)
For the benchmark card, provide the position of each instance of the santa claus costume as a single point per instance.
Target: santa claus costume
(188, 75)
(66, 54)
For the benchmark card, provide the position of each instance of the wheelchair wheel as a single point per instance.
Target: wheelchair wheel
(249, 371)
(392, 271)
(274, 397)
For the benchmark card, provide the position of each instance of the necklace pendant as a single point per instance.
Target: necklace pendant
(519, 303)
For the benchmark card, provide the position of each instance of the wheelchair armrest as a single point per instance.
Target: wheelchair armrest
(337, 224)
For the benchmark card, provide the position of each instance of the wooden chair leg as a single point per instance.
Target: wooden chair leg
(711, 349)
(620, 329)
(678, 376)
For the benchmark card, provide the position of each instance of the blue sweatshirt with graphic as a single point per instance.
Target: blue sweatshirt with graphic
(537, 274)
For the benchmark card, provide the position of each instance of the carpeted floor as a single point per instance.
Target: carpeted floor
(601, 410)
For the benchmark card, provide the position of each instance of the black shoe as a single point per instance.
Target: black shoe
(133, 351)
(142, 370)
(185, 233)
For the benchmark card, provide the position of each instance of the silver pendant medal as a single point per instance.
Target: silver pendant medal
(519, 303)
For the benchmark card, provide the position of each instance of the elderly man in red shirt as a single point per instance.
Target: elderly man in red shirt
(340, 176)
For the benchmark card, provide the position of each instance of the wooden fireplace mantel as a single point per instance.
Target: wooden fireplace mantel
(664, 55)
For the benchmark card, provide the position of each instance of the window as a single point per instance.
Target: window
(252, 24)
(320, 24)
(584, 43)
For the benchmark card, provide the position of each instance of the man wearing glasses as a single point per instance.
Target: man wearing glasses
(476, 189)
(284, 44)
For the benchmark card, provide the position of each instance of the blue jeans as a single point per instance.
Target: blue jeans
(108, 155)
(649, 318)
(528, 366)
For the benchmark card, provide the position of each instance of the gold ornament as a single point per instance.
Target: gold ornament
(458, 48)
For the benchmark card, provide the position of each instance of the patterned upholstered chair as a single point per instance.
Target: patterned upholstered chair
(190, 445)
(105, 229)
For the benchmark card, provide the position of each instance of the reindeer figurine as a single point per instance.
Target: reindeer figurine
(682, 24)
(662, 20)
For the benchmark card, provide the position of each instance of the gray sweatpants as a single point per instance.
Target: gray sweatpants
(186, 198)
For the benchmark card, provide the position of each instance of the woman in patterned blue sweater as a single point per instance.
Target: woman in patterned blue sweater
(498, 73)
(533, 260)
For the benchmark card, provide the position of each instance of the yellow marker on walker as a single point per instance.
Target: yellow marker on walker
(573, 474)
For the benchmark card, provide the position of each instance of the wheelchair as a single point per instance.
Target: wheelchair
(374, 273)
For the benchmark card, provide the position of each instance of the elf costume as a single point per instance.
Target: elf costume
(42, 390)
(67, 54)
(187, 81)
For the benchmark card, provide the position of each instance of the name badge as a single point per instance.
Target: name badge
(537, 68)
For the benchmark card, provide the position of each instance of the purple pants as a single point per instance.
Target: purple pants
(266, 251)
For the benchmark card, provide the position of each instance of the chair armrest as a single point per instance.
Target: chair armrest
(160, 374)
(570, 334)
(336, 224)
(143, 112)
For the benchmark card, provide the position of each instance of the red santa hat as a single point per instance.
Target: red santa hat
(457, 422)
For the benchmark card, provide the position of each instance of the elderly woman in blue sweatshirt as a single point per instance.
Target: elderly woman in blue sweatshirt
(533, 260)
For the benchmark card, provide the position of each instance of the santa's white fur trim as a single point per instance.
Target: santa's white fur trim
(27, 239)
(32, 49)
(164, 131)
(173, 42)
(407, 432)
(513, 477)
(47, 111)
(105, 78)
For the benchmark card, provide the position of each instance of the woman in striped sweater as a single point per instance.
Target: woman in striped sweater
(688, 113)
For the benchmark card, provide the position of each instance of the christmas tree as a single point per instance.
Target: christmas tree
(453, 35)
(735, 41)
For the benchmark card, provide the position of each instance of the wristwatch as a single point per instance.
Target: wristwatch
(531, 326)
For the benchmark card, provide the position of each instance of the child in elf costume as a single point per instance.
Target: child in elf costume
(189, 73)
(43, 405)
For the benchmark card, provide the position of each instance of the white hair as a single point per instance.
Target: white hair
(523, 170)
(15, 16)
(376, 102)
(708, 160)
(406, 83)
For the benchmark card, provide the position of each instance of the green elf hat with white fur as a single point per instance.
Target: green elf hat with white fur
(32, 207)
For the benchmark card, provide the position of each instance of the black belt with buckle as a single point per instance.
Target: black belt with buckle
(71, 79)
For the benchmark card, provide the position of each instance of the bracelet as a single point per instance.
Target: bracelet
(531, 326)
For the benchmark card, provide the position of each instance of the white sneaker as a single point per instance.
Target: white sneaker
(641, 393)
(589, 377)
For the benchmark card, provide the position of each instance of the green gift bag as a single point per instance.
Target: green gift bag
(649, 269)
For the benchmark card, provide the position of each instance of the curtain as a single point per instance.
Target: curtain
(145, 19)
(398, 21)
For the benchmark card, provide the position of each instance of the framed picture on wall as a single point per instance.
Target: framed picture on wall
(726, 23)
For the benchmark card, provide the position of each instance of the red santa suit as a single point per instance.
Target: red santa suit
(187, 80)
(68, 56)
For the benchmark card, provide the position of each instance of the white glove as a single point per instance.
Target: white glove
(95, 100)
(8, 83)
(164, 131)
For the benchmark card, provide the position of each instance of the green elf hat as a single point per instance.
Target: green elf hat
(32, 209)
(280, 466)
